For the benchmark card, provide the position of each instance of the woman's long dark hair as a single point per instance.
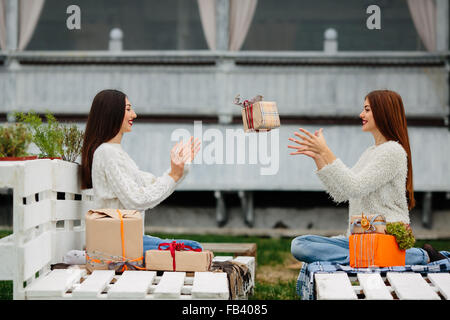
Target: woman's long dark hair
(104, 123)
(390, 119)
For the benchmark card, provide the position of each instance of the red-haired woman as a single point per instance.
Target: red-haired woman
(381, 182)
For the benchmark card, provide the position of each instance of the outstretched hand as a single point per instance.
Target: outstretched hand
(313, 146)
(181, 154)
(310, 145)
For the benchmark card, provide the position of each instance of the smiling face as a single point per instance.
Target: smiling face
(128, 118)
(368, 122)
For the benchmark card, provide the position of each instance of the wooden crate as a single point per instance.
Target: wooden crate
(373, 286)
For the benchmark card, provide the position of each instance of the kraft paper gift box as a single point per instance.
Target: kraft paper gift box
(114, 240)
(375, 223)
(259, 115)
(375, 250)
(188, 261)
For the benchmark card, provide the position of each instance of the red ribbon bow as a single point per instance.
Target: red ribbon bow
(249, 114)
(174, 246)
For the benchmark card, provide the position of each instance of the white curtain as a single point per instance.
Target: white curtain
(2, 25)
(423, 13)
(207, 10)
(29, 12)
(240, 18)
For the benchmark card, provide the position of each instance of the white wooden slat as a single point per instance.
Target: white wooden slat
(36, 254)
(36, 213)
(248, 261)
(94, 284)
(54, 284)
(411, 286)
(210, 285)
(7, 258)
(373, 287)
(67, 210)
(334, 286)
(8, 171)
(169, 287)
(37, 176)
(222, 258)
(442, 282)
(132, 285)
(65, 176)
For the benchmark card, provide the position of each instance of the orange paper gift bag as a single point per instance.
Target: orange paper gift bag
(375, 250)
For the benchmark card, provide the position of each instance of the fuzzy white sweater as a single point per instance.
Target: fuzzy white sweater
(118, 183)
(376, 184)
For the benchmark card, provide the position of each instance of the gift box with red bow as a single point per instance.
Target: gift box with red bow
(258, 115)
(178, 257)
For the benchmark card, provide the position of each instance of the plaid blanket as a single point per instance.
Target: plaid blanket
(305, 280)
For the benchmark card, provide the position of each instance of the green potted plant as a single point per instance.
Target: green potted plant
(15, 139)
(55, 141)
(48, 137)
(72, 142)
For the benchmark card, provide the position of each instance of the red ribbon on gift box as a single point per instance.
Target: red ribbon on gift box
(249, 112)
(174, 246)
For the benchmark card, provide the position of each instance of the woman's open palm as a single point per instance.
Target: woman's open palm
(310, 145)
(181, 154)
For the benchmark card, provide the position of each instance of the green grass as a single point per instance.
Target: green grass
(272, 254)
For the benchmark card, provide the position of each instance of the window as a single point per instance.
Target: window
(146, 25)
(300, 25)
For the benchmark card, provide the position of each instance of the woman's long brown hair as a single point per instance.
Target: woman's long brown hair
(390, 119)
(104, 123)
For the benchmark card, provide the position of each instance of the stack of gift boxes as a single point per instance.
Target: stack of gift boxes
(369, 244)
(114, 241)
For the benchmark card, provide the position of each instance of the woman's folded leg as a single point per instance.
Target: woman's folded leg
(311, 248)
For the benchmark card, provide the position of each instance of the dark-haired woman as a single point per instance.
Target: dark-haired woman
(116, 180)
(381, 182)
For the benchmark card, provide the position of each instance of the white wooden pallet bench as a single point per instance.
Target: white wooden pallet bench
(76, 284)
(48, 222)
(373, 286)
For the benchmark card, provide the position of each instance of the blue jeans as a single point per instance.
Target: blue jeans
(311, 248)
(152, 243)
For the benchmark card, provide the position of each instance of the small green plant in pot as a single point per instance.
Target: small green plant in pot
(53, 139)
(15, 139)
(48, 137)
(73, 141)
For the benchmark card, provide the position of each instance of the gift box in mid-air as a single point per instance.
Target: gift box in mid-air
(258, 115)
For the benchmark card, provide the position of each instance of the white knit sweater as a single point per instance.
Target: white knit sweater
(118, 183)
(375, 185)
